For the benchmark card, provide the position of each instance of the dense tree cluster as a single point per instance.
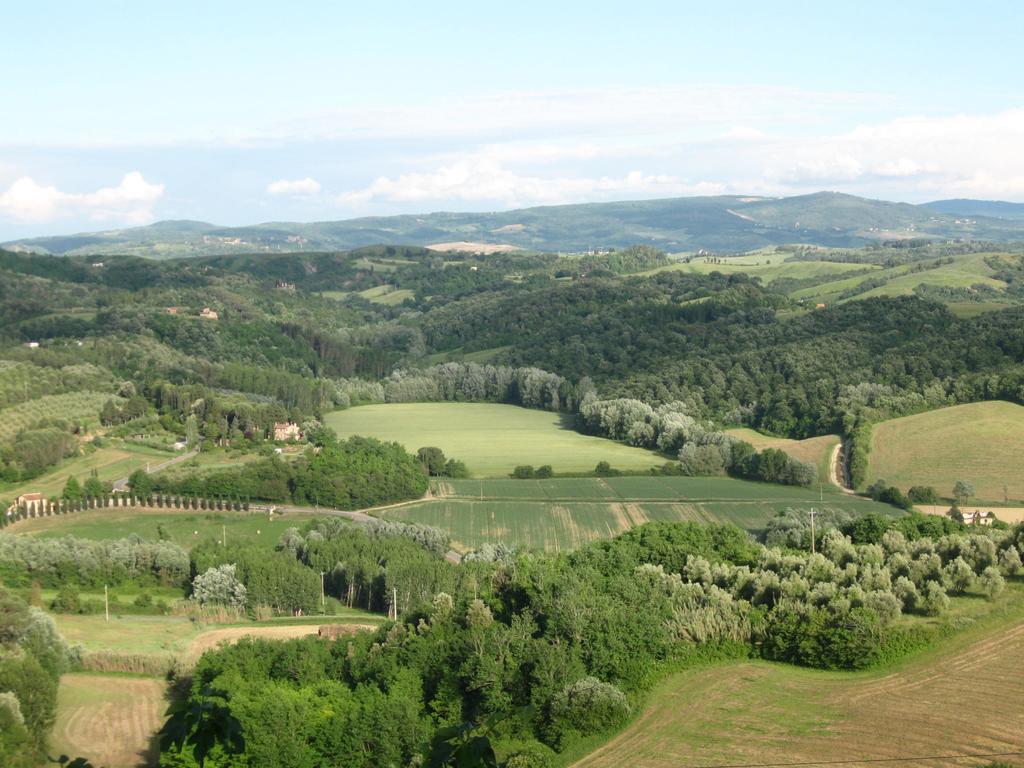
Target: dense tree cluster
(701, 449)
(32, 658)
(557, 639)
(352, 474)
(85, 562)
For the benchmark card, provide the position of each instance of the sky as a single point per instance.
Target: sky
(118, 114)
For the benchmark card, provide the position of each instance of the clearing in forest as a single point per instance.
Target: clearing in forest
(814, 450)
(492, 439)
(961, 699)
(979, 442)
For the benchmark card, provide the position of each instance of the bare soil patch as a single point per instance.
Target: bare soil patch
(211, 639)
(468, 247)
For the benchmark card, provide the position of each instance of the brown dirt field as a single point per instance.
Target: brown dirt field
(636, 514)
(208, 640)
(943, 707)
(214, 637)
(468, 247)
(1006, 514)
(109, 720)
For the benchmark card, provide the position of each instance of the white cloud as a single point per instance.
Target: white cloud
(479, 179)
(131, 201)
(298, 187)
(911, 157)
(743, 133)
(697, 111)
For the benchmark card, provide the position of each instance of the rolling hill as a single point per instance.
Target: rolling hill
(996, 209)
(719, 224)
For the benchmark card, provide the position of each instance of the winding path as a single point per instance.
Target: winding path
(122, 485)
(837, 468)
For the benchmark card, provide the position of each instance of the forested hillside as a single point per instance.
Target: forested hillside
(728, 223)
(293, 336)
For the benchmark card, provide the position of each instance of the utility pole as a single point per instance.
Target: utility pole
(106, 603)
(223, 535)
(322, 598)
(393, 610)
(813, 510)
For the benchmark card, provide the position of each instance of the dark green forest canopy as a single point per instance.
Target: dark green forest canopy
(735, 350)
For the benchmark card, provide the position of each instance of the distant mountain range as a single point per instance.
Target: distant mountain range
(719, 224)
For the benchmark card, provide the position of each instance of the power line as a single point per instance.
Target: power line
(862, 761)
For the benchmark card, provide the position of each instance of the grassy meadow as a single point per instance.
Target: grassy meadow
(815, 450)
(982, 443)
(564, 513)
(184, 527)
(490, 438)
(965, 271)
(115, 461)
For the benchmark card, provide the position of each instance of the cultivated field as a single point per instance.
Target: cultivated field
(184, 527)
(492, 439)
(979, 442)
(768, 265)
(967, 270)
(816, 450)
(963, 698)
(76, 407)
(387, 295)
(111, 720)
(564, 513)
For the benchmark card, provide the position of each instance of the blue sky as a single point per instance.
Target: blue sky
(114, 114)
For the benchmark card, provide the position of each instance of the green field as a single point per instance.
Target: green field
(184, 527)
(982, 443)
(749, 713)
(113, 462)
(766, 264)
(387, 295)
(564, 513)
(966, 271)
(492, 439)
(173, 634)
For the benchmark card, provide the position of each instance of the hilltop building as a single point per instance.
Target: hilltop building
(208, 314)
(287, 431)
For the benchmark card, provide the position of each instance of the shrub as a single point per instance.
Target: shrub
(533, 756)
(67, 600)
(923, 494)
(585, 707)
(219, 585)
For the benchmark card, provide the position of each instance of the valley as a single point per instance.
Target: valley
(312, 462)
